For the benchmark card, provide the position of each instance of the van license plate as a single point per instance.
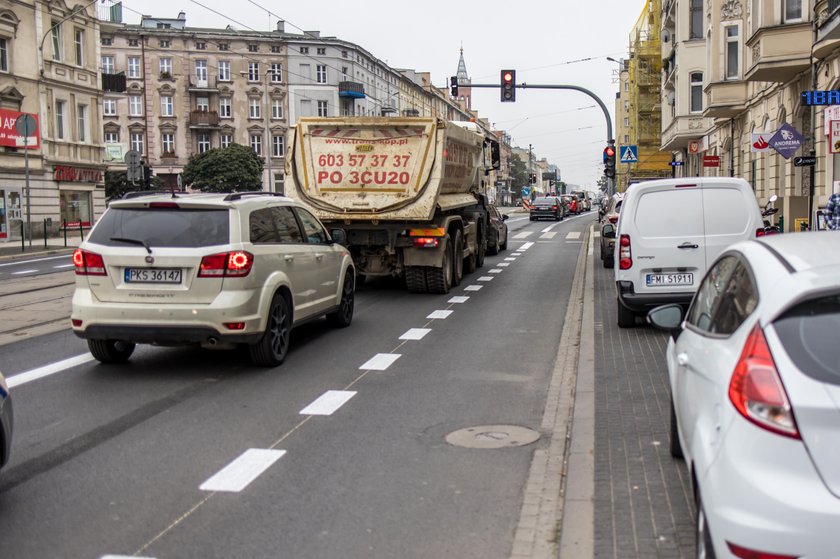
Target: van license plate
(669, 279)
(152, 275)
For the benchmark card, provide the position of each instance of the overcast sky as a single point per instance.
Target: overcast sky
(546, 42)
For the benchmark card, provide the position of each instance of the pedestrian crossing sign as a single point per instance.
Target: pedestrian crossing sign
(629, 154)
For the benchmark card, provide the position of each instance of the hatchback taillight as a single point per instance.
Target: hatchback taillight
(88, 263)
(553, 207)
(756, 389)
(625, 256)
(226, 264)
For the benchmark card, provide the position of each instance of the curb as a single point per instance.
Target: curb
(46, 252)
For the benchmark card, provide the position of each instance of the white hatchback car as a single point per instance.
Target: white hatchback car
(209, 269)
(755, 385)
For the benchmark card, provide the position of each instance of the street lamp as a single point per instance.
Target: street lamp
(268, 145)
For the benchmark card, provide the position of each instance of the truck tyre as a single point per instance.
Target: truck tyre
(110, 351)
(469, 263)
(458, 259)
(481, 248)
(415, 279)
(439, 280)
(626, 317)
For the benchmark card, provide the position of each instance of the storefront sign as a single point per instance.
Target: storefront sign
(10, 137)
(821, 97)
(693, 147)
(711, 161)
(834, 137)
(787, 140)
(829, 114)
(69, 173)
(760, 142)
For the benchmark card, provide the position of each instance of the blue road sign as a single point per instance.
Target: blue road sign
(526, 190)
(628, 154)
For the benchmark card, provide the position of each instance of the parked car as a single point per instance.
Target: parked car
(583, 200)
(548, 206)
(210, 269)
(572, 206)
(6, 422)
(608, 228)
(754, 371)
(670, 230)
(497, 237)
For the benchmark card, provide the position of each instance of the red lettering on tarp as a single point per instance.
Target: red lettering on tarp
(68, 173)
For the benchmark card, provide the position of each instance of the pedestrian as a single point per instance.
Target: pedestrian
(832, 212)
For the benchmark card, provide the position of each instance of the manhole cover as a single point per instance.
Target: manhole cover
(492, 436)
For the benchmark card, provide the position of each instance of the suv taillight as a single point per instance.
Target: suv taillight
(756, 389)
(226, 264)
(625, 256)
(88, 263)
(613, 219)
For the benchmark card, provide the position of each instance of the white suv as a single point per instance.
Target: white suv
(210, 269)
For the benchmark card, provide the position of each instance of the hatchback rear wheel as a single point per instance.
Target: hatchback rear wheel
(273, 346)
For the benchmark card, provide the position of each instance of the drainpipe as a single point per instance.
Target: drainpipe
(813, 169)
(147, 148)
(731, 147)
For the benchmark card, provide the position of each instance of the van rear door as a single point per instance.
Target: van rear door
(729, 216)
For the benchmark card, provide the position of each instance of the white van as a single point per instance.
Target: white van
(670, 231)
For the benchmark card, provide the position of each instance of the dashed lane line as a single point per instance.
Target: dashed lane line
(439, 315)
(380, 361)
(328, 403)
(237, 475)
(48, 370)
(415, 334)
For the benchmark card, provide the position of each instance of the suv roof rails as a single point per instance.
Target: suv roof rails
(139, 193)
(240, 195)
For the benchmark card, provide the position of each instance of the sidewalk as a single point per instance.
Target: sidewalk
(12, 250)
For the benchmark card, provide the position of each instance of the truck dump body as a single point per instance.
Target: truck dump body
(385, 169)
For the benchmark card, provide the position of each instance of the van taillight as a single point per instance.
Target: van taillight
(625, 257)
(226, 264)
(88, 263)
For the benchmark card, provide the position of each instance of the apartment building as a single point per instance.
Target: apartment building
(49, 70)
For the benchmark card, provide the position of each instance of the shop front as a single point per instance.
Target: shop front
(75, 195)
(11, 214)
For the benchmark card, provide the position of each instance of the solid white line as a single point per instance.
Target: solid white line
(573, 235)
(23, 272)
(549, 228)
(63, 266)
(19, 262)
(596, 234)
(124, 557)
(473, 288)
(458, 299)
(485, 278)
(503, 264)
(415, 334)
(496, 271)
(526, 246)
(549, 235)
(510, 259)
(237, 475)
(380, 361)
(523, 235)
(439, 315)
(328, 402)
(48, 370)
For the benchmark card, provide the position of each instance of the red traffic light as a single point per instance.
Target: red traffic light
(507, 77)
(609, 151)
(508, 85)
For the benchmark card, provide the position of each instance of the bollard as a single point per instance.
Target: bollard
(81, 231)
(22, 238)
(65, 233)
(45, 232)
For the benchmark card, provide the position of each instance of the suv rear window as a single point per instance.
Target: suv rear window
(163, 227)
(809, 334)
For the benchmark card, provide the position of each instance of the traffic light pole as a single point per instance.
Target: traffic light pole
(610, 139)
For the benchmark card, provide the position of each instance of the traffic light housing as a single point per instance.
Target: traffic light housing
(532, 178)
(609, 161)
(508, 78)
(453, 86)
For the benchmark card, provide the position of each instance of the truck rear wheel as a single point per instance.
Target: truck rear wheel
(439, 280)
(481, 248)
(415, 279)
(458, 259)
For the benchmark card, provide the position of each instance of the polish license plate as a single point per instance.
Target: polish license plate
(669, 279)
(152, 275)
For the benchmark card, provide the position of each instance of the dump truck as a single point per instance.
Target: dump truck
(408, 192)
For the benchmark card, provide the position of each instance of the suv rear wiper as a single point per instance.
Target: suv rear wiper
(143, 244)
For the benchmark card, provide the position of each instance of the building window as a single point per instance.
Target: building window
(79, 44)
(304, 50)
(60, 119)
(253, 48)
(626, 122)
(793, 10)
(256, 144)
(168, 142)
(696, 79)
(253, 108)
(55, 31)
(164, 44)
(322, 51)
(695, 18)
(627, 139)
(165, 66)
(202, 104)
(112, 137)
(732, 52)
(226, 140)
(82, 121)
(133, 67)
(278, 145)
(201, 71)
(253, 71)
(107, 41)
(203, 142)
(137, 143)
(135, 105)
(224, 107)
(109, 107)
(201, 46)
(321, 73)
(276, 49)
(108, 65)
(224, 46)
(344, 72)
(4, 56)
(344, 54)
(167, 108)
(133, 43)
(276, 109)
(224, 71)
(276, 73)
(322, 108)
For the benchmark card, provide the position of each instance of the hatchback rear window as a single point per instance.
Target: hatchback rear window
(163, 227)
(809, 335)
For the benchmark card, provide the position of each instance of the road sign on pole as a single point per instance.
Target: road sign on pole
(25, 126)
(134, 170)
(629, 154)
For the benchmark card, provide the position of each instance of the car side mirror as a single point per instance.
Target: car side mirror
(339, 236)
(505, 217)
(668, 318)
(608, 231)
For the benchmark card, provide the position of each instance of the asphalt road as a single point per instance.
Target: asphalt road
(27, 267)
(131, 460)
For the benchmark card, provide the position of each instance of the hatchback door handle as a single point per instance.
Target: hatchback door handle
(688, 245)
(289, 258)
(682, 359)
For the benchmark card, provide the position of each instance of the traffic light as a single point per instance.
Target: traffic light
(453, 86)
(532, 178)
(609, 161)
(508, 86)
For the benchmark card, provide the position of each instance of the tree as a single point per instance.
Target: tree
(235, 168)
(116, 184)
(519, 174)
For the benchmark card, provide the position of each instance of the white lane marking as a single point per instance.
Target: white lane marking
(23, 272)
(380, 361)
(328, 402)
(503, 264)
(458, 299)
(19, 262)
(550, 235)
(63, 266)
(523, 235)
(473, 288)
(510, 259)
(517, 254)
(485, 278)
(439, 315)
(591, 250)
(124, 557)
(48, 370)
(415, 334)
(596, 234)
(573, 235)
(526, 246)
(549, 228)
(237, 475)
(496, 271)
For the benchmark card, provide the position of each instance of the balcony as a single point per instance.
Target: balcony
(780, 52)
(204, 119)
(726, 99)
(202, 86)
(828, 27)
(682, 130)
(114, 83)
(354, 90)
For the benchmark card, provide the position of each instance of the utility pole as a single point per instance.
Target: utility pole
(531, 169)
